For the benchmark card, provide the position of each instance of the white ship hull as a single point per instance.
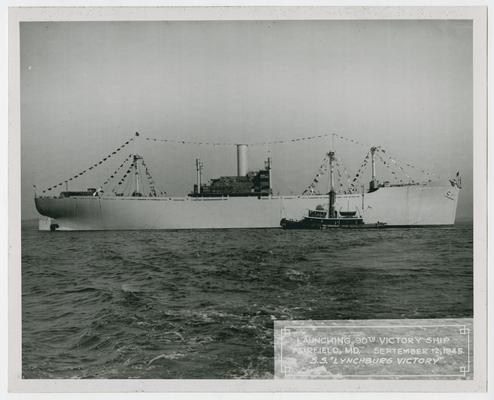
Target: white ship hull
(395, 206)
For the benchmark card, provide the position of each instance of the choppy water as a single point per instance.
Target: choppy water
(201, 304)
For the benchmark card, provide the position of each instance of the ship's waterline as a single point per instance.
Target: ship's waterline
(410, 205)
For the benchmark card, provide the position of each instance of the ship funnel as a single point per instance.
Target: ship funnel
(241, 159)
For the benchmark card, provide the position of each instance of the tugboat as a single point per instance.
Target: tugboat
(319, 220)
(322, 219)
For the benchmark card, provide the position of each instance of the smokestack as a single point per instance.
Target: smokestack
(241, 159)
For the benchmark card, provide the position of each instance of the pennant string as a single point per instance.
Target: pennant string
(116, 172)
(104, 159)
(395, 167)
(267, 143)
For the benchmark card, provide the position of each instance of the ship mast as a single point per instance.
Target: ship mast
(331, 192)
(199, 166)
(137, 191)
(136, 173)
(270, 175)
(373, 184)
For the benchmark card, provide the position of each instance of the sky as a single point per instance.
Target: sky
(86, 87)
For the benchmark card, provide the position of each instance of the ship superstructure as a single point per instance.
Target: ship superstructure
(131, 199)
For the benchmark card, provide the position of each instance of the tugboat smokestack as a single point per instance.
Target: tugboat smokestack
(241, 159)
(332, 197)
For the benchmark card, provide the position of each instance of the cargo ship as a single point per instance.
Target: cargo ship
(245, 200)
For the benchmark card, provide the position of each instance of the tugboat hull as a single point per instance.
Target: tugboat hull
(329, 223)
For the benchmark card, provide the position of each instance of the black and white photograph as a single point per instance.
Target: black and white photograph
(192, 191)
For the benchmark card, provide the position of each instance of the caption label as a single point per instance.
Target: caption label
(370, 349)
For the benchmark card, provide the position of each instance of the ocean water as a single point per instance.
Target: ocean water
(201, 304)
